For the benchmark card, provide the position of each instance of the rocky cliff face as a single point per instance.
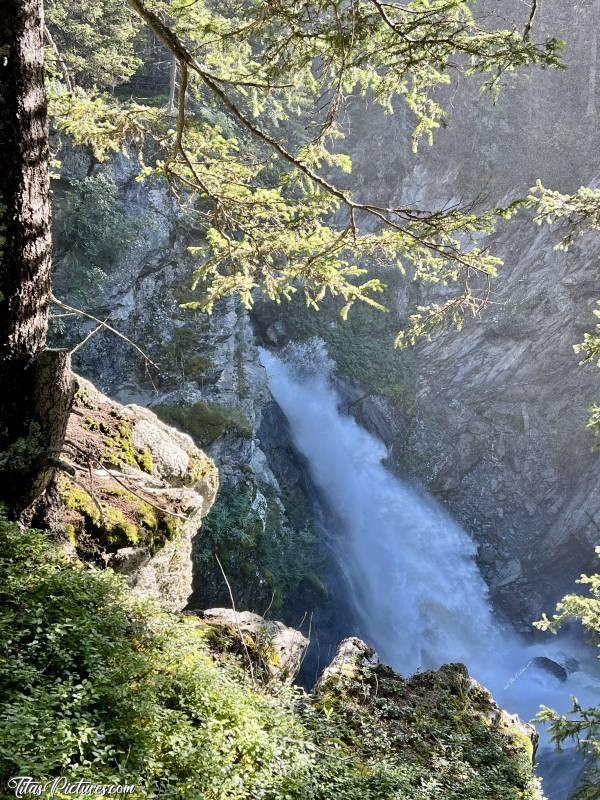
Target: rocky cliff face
(209, 383)
(491, 420)
(499, 430)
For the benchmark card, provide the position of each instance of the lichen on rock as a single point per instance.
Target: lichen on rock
(136, 495)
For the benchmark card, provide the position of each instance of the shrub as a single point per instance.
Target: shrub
(265, 558)
(96, 683)
(91, 231)
(99, 684)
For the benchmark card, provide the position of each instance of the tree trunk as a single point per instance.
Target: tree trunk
(36, 384)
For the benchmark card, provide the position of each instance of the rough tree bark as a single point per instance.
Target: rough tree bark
(36, 385)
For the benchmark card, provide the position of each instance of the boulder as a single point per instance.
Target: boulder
(550, 666)
(353, 658)
(135, 494)
(356, 671)
(279, 649)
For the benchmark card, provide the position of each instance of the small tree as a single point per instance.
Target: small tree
(581, 724)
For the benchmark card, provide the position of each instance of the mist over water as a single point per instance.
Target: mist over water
(410, 568)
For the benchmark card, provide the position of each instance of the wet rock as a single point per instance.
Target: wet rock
(277, 334)
(550, 666)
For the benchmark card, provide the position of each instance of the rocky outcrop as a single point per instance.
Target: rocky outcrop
(278, 648)
(135, 493)
(357, 664)
(352, 659)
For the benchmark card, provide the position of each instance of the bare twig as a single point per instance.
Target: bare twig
(89, 336)
(532, 13)
(81, 313)
(59, 59)
(241, 635)
(122, 483)
(57, 463)
(264, 614)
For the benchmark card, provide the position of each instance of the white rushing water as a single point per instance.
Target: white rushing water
(411, 571)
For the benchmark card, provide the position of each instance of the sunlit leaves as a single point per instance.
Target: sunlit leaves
(253, 156)
(580, 724)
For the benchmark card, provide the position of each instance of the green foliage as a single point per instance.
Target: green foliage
(99, 684)
(265, 558)
(428, 732)
(253, 173)
(95, 41)
(576, 215)
(91, 231)
(205, 421)
(580, 724)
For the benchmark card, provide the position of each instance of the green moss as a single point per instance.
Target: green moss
(171, 526)
(144, 460)
(520, 739)
(119, 530)
(141, 525)
(77, 499)
(148, 517)
(70, 533)
(199, 468)
(205, 421)
(82, 398)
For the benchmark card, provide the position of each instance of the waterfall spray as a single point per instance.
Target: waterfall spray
(411, 571)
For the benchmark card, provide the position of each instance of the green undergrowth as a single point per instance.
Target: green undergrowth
(265, 558)
(100, 684)
(205, 421)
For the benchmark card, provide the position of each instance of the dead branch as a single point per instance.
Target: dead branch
(81, 313)
(241, 635)
(122, 483)
(59, 59)
(532, 13)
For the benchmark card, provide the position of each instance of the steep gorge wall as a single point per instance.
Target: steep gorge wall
(491, 420)
(209, 384)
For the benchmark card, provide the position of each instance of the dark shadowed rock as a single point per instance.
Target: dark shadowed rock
(550, 666)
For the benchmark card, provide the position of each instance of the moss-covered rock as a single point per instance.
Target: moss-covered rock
(441, 724)
(275, 649)
(206, 421)
(137, 496)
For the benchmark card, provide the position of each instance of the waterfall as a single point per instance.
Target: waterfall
(411, 572)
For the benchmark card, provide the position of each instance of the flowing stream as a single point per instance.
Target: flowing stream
(410, 568)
